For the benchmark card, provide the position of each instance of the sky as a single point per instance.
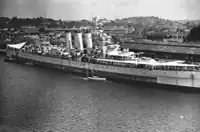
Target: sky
(110, 9)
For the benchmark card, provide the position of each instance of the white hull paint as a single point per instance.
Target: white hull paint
(169, 77)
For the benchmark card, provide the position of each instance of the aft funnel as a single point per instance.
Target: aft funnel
(88, 40)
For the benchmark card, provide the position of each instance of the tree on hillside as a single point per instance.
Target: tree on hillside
(194, 35)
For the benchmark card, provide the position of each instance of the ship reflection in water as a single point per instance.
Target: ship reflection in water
(40, 99)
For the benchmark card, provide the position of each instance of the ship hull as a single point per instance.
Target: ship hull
(169, 78)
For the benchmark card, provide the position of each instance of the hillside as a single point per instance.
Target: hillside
(142, 25)
(144, 21)
(40, 21)
(160, 27)
(150, 23)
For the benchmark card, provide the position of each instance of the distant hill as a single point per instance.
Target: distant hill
(145, 21)
(150, 23)
(144, 24)
(40, 21)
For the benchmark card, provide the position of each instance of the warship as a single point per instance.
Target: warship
(105, 60)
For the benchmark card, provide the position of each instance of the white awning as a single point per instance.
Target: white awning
(127, 54)
(16, 46)
(114, 53)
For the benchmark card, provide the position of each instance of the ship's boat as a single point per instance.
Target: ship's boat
(96, 78)
(92, 77)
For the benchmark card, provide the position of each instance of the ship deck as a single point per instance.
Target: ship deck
(154, 63)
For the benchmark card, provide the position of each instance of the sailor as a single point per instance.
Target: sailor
(192, 75)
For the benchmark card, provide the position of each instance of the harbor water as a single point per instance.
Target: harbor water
(38, 99)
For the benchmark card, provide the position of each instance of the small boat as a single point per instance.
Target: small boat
(84, 78)
(92, 77)
(96, 78)
(29, 63)
(8, 59)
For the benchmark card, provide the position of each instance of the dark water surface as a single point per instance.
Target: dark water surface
(39, 99)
